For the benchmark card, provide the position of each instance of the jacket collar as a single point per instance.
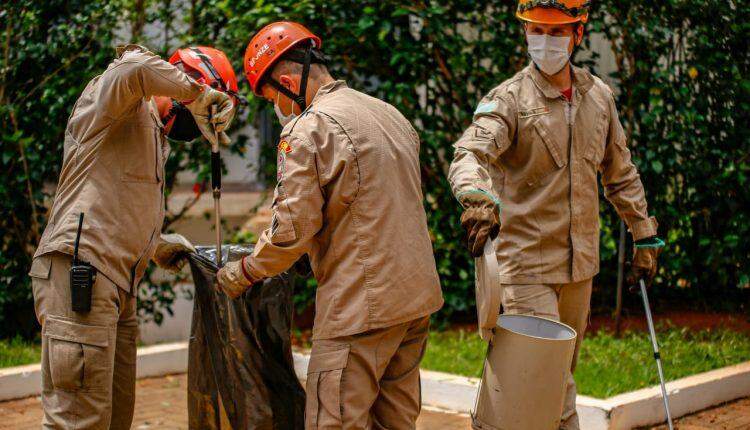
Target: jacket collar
(122, 49)
(327, 89)
(582, 81)
(322, 91)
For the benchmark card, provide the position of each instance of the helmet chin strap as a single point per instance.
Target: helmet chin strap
(300, 98)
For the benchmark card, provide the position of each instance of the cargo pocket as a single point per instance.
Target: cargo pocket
(137, 145)
(595, 140)
(78, 355)
(545, 157)
(324, 408)
(41, 266)
(550, 143)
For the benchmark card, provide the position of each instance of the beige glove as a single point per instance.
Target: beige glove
(201, 110)
(171, 252)
(234, 279)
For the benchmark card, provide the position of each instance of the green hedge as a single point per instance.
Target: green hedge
(682, 68)
(49, 51)
(684, 72)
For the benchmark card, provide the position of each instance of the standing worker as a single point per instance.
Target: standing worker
(530, 158)
(349, 196)
(113, 177)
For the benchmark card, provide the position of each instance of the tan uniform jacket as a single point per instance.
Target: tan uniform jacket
(540, 156)
(113, 167)
(349, 195)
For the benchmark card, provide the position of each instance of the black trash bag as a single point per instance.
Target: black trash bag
(240, 351)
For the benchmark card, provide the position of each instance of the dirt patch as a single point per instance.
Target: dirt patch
(161, 403)
(733, 415)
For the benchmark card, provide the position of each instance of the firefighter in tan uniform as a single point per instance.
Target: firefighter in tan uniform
(526, 172)
(349, 196)
(113, 172)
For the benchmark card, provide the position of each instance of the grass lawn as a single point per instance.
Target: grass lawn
(15, 352)
(608, 366)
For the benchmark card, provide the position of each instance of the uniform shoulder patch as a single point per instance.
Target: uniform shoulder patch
(284, 146)
(283, 149)
(486, 107)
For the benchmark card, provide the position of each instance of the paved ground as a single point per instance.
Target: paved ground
(160, 404)
(730, 416)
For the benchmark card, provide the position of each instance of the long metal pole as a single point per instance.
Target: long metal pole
(657, 356)
(620, 278)
(216, 186)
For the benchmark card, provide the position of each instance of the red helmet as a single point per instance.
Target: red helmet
(269, 45)
(209, 66)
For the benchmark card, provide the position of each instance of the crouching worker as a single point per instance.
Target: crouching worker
(533, 152)
(348, 196)
(113, 173)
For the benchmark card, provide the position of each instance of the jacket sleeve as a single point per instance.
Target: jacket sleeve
(489, 135)
(621, 181)
(140, 74)
(297, 210)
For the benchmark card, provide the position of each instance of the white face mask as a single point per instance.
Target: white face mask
(283, 119)
(549, 53)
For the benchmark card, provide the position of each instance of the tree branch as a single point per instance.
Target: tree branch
(169, 220)
(64, 66)
(6, 56)
(34, 230)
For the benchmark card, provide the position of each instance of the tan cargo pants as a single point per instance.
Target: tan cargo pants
(568, 303)
(88, 360)
(369, 380)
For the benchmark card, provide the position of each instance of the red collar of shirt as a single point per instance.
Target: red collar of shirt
(568, 94)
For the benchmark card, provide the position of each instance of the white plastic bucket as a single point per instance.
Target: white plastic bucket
(525, 374)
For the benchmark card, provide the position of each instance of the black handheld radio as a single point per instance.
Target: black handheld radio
(82, 277)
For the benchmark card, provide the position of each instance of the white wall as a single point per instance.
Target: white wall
(173, 328)
(241, 169)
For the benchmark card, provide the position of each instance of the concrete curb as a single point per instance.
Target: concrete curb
(449, 392)
(686, 395)
(20, 381)
(625, 411)
(25, 381)
(158, 360)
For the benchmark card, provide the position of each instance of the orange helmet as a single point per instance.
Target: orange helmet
(208, 65)
(553, 11)
(269, 45)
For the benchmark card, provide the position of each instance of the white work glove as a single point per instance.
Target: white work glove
(220, 120)
(234, 280)
(171, 252)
